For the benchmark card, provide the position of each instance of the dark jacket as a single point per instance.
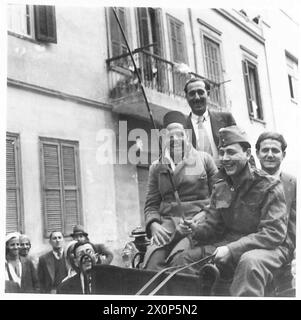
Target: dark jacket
(218, 120)
(46, 272)
(245, 217)
(29, 279)
(289, 186)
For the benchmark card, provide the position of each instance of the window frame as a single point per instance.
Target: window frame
(292, 74)
(249, 62)
(19, 182)
(36, 36)
(209, 35)
(170, 19)
(60, 143)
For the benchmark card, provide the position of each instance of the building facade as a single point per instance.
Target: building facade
(75, 110)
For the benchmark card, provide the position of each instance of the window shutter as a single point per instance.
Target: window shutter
(45, 23)
(144, 27)
(52, 189)
(70, 187)
(118, 45)
(12, 201)
(245, 69)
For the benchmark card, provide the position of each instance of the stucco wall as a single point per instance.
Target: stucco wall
(51, 117)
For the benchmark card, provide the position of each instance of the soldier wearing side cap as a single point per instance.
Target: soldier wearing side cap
(246, 221)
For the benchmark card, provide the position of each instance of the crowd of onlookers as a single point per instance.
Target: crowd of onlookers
(25, 275)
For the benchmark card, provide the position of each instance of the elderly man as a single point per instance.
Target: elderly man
(105, 255)
(271, 150)
(179, 185)
(52, 268)
(246, 222)
(25, 245)
(204, 123)
(84, 257)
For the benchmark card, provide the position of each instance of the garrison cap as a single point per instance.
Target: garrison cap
(231, 135)
(174, 117)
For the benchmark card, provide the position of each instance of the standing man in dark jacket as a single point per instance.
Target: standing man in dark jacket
(246, 222)
(52, 268)
(204, 123)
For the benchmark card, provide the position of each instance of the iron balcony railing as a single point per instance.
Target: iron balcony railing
(156, 73)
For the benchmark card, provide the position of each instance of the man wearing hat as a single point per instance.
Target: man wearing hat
(246, 222)
(105, 256)
(179, 185)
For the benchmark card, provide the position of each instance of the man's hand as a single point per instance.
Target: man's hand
(160, 235)
(222, 255)
(184, 227)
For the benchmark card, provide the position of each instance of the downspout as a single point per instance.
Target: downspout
(193, 40)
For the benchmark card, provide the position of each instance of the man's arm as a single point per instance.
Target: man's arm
(211, 170)
(103, 250)
(272, 228)
(153, 200)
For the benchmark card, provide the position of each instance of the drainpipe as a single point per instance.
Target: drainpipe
(193, 41)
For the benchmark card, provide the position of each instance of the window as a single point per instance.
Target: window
(292, 73)
(14, 203)
(118, 46)
(250, 73)
(213, 67)
(153, 69)
(60, 185)
(36, 22)
(177, 40)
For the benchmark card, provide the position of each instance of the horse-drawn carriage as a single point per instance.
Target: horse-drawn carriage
(211, 281)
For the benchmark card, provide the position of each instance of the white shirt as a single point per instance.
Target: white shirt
(207, 124)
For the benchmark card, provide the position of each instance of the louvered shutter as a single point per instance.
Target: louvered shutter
(70, 187)
(245, 69)
(117, 42)
(45, 23)
(13, 209)
(52, 193)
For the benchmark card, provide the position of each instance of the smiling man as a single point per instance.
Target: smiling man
(246, 222)
(192, 173)
(204, 123)
(85, 259)
(271, 151)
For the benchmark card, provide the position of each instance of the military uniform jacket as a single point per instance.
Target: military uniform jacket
(249, 215)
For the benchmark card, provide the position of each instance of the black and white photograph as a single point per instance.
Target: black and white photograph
(151, 150)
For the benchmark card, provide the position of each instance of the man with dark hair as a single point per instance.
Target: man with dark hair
(52, 267)
(271, 150)
(105, 255)
(85, 258)
(246, 222)
(204, 123)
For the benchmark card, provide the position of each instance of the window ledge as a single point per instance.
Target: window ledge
(258, 120)
(23, 37)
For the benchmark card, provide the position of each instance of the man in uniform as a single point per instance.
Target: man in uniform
(246, 222)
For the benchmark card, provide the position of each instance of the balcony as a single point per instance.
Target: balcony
(163, 82)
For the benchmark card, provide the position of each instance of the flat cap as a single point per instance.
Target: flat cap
(231, 135)
(78, 229)
(174, 117)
